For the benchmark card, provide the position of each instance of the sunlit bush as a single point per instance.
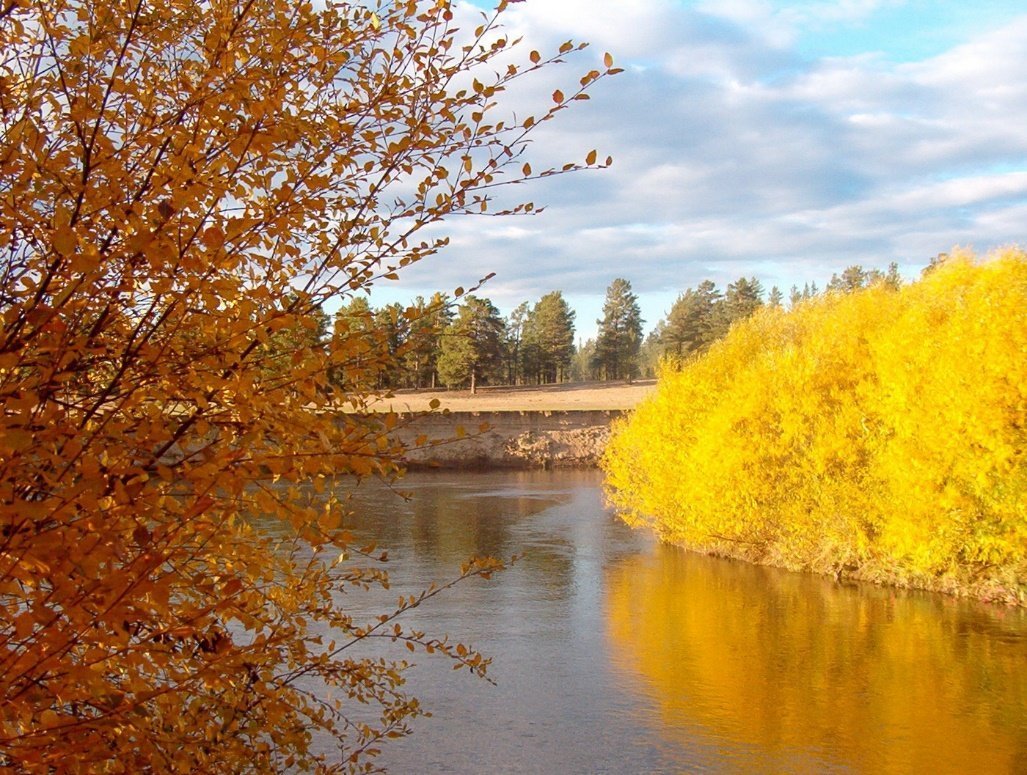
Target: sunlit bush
(880, 433)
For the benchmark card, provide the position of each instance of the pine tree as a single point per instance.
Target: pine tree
(681, 333)
(692, 323)
(710, 312)
(892, 278)
(620, 333)
(852, 278)
(744, 296)
(583, 364)
(394, 330)
(428, 320)
(549, 339)
(353, 327)
(513, 349)
(472, 345)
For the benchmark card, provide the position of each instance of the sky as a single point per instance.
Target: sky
(784, 141)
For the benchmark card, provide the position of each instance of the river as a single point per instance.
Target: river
(615, 654)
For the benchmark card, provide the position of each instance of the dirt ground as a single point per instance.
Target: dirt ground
(566, 397)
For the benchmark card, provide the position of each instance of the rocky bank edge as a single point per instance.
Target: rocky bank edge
(509, 439)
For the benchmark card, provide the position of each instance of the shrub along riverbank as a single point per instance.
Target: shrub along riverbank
(880, 434)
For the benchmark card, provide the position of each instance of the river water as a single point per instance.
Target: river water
(615, 654)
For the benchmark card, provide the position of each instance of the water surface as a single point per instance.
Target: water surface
(615, 654)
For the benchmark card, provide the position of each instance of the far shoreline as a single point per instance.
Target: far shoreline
(560, 397)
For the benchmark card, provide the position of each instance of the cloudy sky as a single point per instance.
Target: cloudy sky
(755, 137)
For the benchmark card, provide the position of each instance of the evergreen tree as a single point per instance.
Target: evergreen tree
(353, 328)
(692, 323)
(855, 278)
(583, 367)
(305, 333)
(682, 333)
(794, 297)
(743, 297)
(620, 333)
(428, 319)
(515, 323)
(549, 339)
(710, 321)
(776, 298)
(651, 352)
(472, 345)
(851, 279)
(892, 278)
(393, 328)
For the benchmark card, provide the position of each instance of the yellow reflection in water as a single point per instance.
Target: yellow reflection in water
(784, 672)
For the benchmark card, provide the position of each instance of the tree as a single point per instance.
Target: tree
(692, 321)
(892, 278)
(855, 278)
(620, 332)
(549, 339)
(181, 182)
(472, 344)
(651, 352)
(794, 297)
(309, 332)
(392, 326)
(743, 297)
(514, 328)
(852, 278)
(428, 319)
(583, 364)
(353, 333)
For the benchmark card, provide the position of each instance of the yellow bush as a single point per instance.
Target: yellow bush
(881, 432)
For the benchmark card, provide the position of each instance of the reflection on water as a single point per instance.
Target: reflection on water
(616, 655)
(786, 672)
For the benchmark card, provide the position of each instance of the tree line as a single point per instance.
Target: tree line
(703, 315)
(466, 342)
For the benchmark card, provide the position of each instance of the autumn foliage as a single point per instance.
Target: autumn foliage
(881, 433)
(182, 185)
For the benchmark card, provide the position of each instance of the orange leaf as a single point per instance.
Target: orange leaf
(65, 241)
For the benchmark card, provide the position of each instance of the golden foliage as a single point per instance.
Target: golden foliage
(181, 186)
(882, 433)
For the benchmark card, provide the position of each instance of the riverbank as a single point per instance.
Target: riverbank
(536, 427)
(504, 440)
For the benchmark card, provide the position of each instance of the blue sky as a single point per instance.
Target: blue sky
(751, 137)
